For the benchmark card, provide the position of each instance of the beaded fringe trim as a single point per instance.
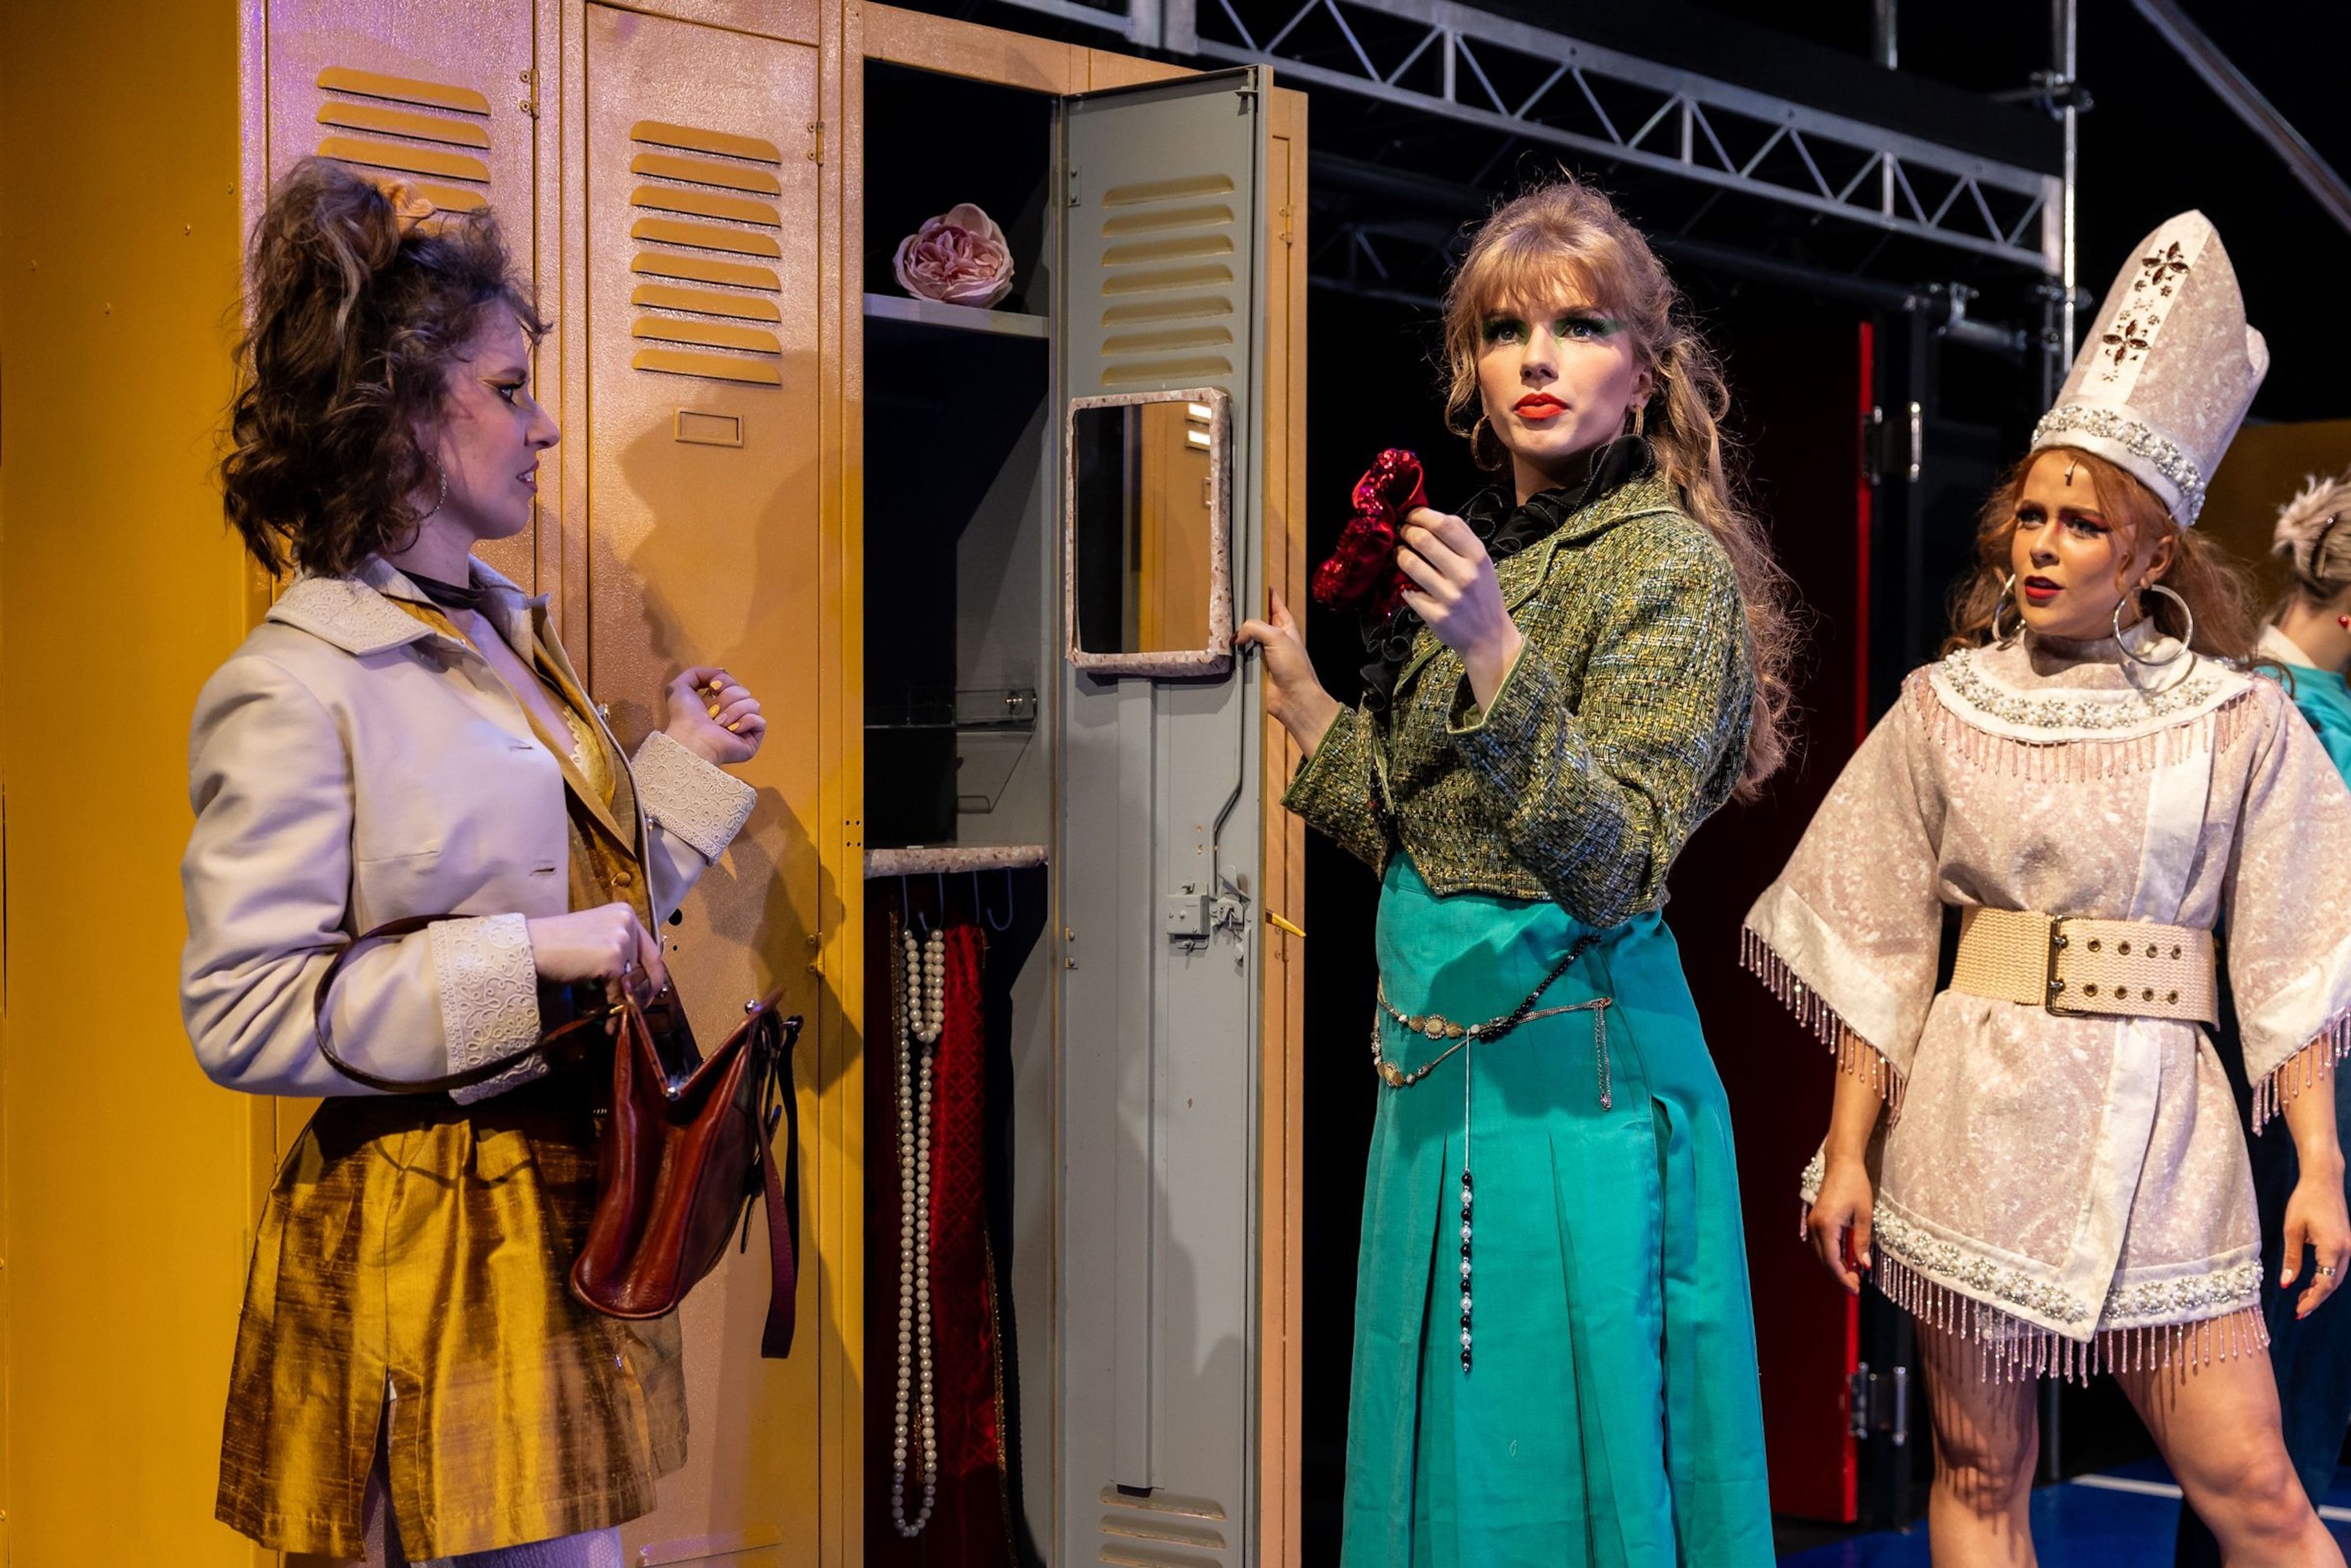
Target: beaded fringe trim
(2311, 1066)
(1856, 1057)
(2072, 761)
(2011, 1348)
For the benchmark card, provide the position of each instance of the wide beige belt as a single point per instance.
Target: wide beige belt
(2121, 968)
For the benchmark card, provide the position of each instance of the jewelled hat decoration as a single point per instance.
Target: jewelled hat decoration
(2167, 370)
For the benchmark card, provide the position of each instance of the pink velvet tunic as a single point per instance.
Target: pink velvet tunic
(2069, 1190)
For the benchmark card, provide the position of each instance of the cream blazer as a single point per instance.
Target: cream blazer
(350, 764)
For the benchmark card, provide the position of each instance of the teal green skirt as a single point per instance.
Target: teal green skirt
(1610, 1415)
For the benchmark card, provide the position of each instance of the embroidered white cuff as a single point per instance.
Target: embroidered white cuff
(691, 798)
(489, 998)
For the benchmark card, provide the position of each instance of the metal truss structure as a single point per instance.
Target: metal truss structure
(1460, 64)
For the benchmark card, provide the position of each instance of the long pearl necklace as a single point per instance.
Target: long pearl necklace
(920, 1021)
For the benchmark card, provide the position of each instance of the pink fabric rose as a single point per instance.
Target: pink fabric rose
(959, 257)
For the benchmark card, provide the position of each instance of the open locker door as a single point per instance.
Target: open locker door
(1160, 317)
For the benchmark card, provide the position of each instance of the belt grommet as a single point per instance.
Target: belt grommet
(2090, 990)
(2095, 945)
(2171, 996)
(2123, 948)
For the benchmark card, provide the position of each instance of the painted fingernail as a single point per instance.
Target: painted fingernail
(713, 711)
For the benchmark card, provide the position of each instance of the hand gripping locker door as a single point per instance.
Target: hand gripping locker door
(1163, 316)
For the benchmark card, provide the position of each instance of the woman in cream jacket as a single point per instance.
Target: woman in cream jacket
(403, 736)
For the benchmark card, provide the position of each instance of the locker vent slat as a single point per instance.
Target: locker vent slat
(404, 90)
(358, 127)
(1161, 238)
(711, 180)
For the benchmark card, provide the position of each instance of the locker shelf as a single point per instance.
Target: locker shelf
(923, 860)
(953, 318)
(992, 709)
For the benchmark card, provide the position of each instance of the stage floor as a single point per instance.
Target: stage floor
(2124, 1515)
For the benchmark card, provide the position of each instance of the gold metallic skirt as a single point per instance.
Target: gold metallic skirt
(409, 1280)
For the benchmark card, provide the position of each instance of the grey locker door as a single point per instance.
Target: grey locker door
(1161, 287)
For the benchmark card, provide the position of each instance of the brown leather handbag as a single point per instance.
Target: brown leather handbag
(687, 1143)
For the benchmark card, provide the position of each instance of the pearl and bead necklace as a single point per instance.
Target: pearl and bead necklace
(920, 1023)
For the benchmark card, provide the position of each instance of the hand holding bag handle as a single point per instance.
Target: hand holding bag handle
(680, 1157)
(570, 1037)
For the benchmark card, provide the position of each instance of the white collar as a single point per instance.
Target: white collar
(355, 612)
(2275, 645)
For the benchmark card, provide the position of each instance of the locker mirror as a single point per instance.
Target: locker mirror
(1146, 514)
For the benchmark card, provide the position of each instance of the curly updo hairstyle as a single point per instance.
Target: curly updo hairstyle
(1568, 233)
(2218, 590)
(358, 300)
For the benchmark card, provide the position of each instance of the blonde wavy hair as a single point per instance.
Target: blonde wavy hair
(1567, 237)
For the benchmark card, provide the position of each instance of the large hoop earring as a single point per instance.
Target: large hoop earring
(1486, 447)
(2184, 637)
(2007, 598)
(1636, 419)
(444, 499)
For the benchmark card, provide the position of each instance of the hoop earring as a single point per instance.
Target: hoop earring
(2007, 597)
(2184, 638)
(444, 499)
(1485, 447)
(1636, 420)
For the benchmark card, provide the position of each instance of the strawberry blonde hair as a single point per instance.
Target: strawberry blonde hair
(1567, 236)
(2219, 591)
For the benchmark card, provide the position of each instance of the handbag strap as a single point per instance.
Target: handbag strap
(782, 1198)
(546, 1047)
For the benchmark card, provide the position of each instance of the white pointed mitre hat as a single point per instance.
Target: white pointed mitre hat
(2167, 370)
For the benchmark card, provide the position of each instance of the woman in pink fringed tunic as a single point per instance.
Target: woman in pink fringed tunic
(2060, 1184)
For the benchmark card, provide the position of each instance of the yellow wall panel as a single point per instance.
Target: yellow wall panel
(126, 1174)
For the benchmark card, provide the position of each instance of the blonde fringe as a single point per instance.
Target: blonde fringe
(2082, 761)
(2010, 1348)
(1856, 1057)
(2306, 1068)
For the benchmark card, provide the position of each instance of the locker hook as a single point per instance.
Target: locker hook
(1010, 906)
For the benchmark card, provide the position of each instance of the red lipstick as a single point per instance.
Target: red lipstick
(1538, 405)
(2039, 589)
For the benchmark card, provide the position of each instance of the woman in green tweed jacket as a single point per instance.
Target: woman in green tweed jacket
(1554, 1358)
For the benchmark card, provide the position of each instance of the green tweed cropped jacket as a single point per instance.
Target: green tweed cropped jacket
(1621, 727)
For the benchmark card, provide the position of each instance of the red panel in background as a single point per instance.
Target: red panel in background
(1801, 395)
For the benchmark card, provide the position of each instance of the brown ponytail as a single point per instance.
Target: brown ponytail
(358, 297)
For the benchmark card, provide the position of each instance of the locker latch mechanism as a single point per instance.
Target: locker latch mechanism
(1187, 913)
(1878, 1403)
(1192, 916)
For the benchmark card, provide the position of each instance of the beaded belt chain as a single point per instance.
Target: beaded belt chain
(1435, 1026)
